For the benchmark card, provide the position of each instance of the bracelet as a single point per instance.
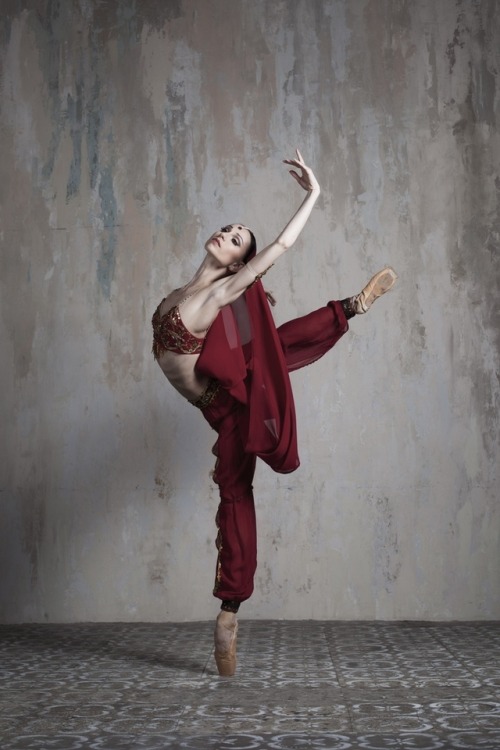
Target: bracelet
(257, 276)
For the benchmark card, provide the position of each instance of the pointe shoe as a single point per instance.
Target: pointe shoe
(376, 287)
(226, 628)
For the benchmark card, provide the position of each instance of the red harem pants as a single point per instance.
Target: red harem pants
(234, 469)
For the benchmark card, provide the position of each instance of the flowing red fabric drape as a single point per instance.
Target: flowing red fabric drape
(242, 351)
(245, 352)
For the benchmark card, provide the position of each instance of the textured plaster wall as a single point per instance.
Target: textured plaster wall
(131, 130)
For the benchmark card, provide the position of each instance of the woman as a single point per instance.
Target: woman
(226, 357)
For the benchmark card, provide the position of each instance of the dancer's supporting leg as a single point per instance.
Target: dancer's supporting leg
(234, 471)
(236, 538)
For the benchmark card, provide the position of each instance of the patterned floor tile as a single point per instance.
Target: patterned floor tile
(336, 686)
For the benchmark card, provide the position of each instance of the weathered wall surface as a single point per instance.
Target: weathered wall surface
(129, 131)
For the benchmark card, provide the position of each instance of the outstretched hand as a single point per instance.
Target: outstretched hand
(306, 179)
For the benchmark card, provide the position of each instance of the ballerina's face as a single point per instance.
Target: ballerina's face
(230, 244)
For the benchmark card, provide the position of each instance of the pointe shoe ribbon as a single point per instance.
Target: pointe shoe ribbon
(376, 287)
(226, 629)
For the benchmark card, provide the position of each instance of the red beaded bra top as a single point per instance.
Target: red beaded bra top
(171, 335)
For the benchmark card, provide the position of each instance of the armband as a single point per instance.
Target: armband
(257, 276)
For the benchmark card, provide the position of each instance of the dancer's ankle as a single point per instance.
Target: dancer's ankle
(348, 307)
(230, 605)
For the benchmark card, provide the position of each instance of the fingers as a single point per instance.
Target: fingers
(298, 161)
(304, 184)
(296, 176)
(306, 179)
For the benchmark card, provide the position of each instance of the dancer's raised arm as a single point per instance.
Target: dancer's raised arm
(233, 287)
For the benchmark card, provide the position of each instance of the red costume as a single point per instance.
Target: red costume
(253, 413)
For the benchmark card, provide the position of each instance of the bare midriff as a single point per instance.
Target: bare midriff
(180, 371)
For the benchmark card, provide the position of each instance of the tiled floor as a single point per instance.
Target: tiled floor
(330, 685)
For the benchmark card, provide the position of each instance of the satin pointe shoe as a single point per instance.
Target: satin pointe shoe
(226, 629)
(376, 287)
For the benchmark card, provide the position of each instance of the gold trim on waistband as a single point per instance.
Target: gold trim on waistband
(208, 395)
